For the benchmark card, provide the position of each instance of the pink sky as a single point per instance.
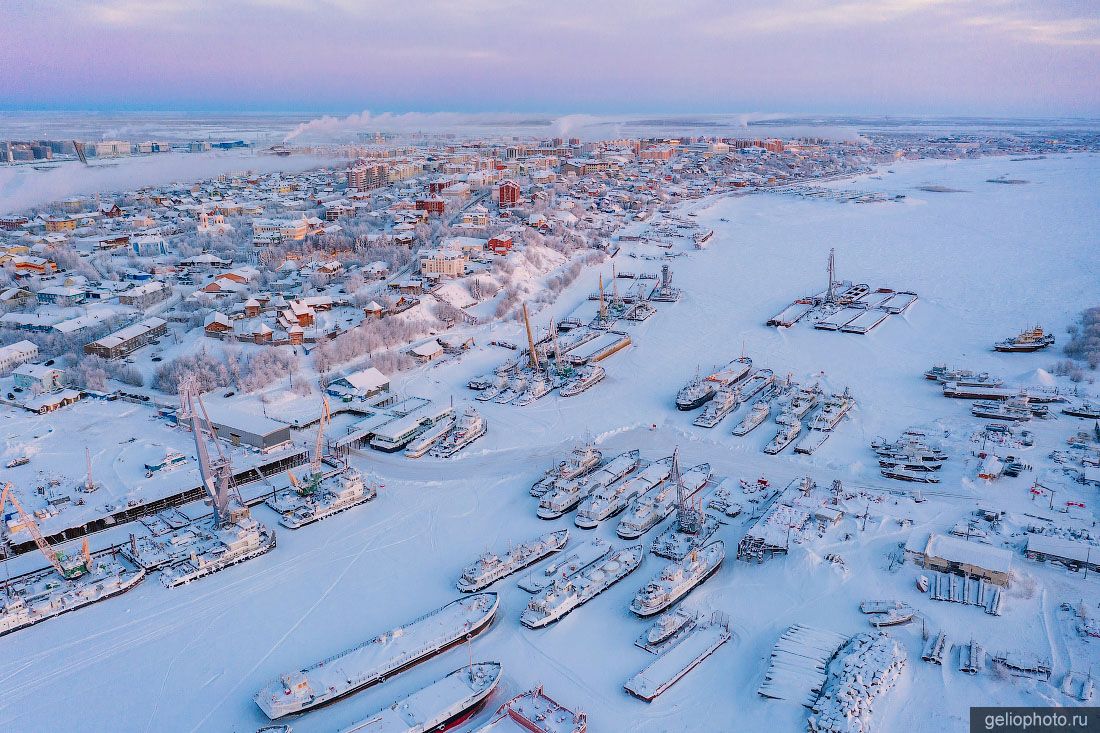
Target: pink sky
(996, 57)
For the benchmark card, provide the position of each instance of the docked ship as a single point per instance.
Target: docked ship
(834, 408)
(565, 595)
(702, 389)
(17, 461)
(566, 565)
(1090, 410)
(201, 547)
(701, 239)
(677, 579)
(1011, 410)
(379, 658)
(608, 501)
(590, 375)
(653, 507)
(44, 594)
(492, 566)
(727, 398)
(916, 459)
(963, 377)
(582, 460)
(334, 495)
(535, 712)
(802, 401)
(565, 496)
(909, 474)
(442, 705)
(469, 427)
(666, 626)
(756, 417)
(786, 434)
(1032, 339)
(538, 389)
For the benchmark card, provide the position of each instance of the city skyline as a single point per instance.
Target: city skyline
(992, 57)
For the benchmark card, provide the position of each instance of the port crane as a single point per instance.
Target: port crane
(217, 471)
(65, 566)
(312, 482)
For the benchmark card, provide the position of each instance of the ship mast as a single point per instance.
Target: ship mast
(603, 304)
(688, 517)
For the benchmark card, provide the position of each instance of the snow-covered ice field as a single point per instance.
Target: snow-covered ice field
(986, 261)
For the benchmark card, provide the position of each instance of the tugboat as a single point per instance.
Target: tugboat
(593, 374)
(565, 595)
(581, 461)
(1030, 340)
(787, 432)
(756, 417)
(667, 625)
(442, 705)
(17, 461)
(538, 388)
(469, 427)
(332, 496)
(491, 566)
(677, 579)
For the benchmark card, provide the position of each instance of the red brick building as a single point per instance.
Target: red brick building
(509, 194)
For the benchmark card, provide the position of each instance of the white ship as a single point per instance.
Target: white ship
(492, 566)
(428, 439)
(44, 594)
(566, 565)
(567, 495)
(701, 390)
(334, 494)
(379, 658)
(589, 376)
(802, 401)
(666, 626)
(754, 419)
(963, 377)
(787, 432)
(469, 427)
(565, 595)
(677, 579)
(610, 500)
(581, 461)
(442, 705)
(653, 507)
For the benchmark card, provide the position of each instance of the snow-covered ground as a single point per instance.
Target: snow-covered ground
(986, 261)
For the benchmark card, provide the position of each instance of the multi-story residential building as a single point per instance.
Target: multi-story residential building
(442, 262)
(15, 354)
(127, 340)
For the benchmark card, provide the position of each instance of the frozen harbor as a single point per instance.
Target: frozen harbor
(200, 651)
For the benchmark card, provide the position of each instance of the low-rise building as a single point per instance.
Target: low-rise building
(145, 295)
(37, 378)
(15, 354)
(948, 554)
(127, 340)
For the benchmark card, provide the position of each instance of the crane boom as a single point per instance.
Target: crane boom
(32, 527)
(326, 416)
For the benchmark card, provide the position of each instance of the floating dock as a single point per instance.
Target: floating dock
(677, 661)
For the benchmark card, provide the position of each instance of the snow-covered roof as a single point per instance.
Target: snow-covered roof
(955, 549)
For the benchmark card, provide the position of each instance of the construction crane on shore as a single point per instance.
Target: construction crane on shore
(59, 560)
(326, 418)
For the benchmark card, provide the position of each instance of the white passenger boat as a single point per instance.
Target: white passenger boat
(564, 497)
(493, 566)
(608, 501)
(566, 595)
(565, 565)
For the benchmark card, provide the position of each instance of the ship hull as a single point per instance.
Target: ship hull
(130, 585)
(263, 549)
(378, 679)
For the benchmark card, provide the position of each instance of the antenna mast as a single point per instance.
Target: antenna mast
(687, 516)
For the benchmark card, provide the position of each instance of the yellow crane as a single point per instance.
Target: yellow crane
(326, 417)
(58, 560)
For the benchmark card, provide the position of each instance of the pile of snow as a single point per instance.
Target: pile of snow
(865, 668)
